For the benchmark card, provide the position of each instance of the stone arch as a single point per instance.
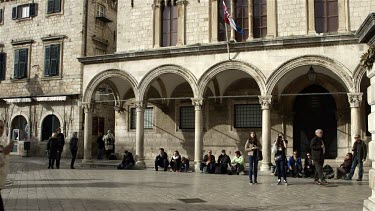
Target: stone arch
(358, 74)
(42, 118)
(99, 78)
(11, 121)
(337, 68)
(164, 69)
(253, 71)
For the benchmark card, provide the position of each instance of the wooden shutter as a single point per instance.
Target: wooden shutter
(1, 15)
(50, 6)
(47, 60)
(260, 18)
(166, 25)
(2, 66)
(55, 58)
(16, 64)
(23, 61)
(332, 16)
(174, 25)
(14, 13)
(57, 6)
(33, 10)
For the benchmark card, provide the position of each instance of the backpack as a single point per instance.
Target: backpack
(328, 172)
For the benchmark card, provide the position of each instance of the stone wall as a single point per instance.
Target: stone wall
(358, 11)
(291, 18)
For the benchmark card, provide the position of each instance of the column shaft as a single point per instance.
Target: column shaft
(198, 133)
(265, 102)
(87, 153)
(139, 136)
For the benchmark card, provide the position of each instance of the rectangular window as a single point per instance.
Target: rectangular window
(187, 117)
(326, 16)
(169, 24)
(247, 116)
(101, 11)
(53, 6)
(52, 60)
(148, 118)
(222, 36)
(242, 19)
(260, 18)
(2, 66)
(24, 11)
(20, 63)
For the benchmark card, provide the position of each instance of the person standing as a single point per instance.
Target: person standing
(100, 144)
(252, 147)
(317, 154)
(109, 141)
(53, 150)
(73, 148)
(61, 140)
(280, 158)
(4, 164)
(359, 156)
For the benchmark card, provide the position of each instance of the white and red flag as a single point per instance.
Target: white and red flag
(229, 20)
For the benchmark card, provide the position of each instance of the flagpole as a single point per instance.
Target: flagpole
(226, 35)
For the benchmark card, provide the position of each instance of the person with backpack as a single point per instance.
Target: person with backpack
(359, 156)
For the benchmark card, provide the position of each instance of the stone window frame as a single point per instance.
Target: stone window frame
(343, 12)
(231, 113)
(157, 19)
(4, 66)
(27, 46)
(58, 41)
(271, 20)
(184, 103)
(97, 10)
(2, 16)
(18, 8)
(55, 13)
(129, 118)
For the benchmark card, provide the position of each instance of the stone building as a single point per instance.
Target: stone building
(40, 76)
(171, 83)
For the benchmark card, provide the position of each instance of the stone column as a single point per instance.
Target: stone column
(233, 14)
(87, 139)
(181, 4)
(265, 102)
(251, 17)
(355, 100)
(271, 18)
(198, 102)
(214, 20)
(139, 134)
(310, 17)
(157, 24)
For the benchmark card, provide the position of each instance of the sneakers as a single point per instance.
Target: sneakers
(278, 181)
(359, 179)
(317, 182)
(255, 182)
(324, 182)
(286, 183)
(251, 182)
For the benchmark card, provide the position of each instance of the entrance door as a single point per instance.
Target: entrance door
(18, 131)
(49, 126)
(315, 112)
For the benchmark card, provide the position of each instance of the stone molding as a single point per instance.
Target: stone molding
(358, 74)
(337, 68)
(355, 99)
(265, 101)
(365, 32)
(140, 105)
(253, 71)
(146, 81)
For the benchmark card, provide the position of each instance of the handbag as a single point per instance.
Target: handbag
(278, 158)
(274, 149)
(260, 155)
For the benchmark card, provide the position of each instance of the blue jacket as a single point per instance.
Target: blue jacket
(291, 161)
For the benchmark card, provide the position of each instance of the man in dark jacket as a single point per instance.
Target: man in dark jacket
(317, 154)
(161, 160)
(359, 156)
(128, 161)
(223, 162)
(208, 162)
(73, 145)
(61, 141)
(100, 144)
(309, 168)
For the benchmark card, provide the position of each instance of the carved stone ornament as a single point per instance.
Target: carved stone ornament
(265, 101)
(355, 99)
(197, 102)
(88, 107)
(140, 105)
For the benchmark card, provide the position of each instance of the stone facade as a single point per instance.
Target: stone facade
(66, 28)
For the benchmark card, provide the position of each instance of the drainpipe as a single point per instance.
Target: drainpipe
(86, 28)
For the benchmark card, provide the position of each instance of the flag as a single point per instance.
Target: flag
(229, 20)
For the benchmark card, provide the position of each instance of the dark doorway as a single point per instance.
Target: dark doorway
(50, 124)
(315, 112)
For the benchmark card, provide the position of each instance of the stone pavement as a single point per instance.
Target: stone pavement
(37, 188)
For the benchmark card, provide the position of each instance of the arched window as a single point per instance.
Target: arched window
(18, 128)
(326, 16)
(259, 18)
(221, 31)
(242, 19)
(49, 126)
(169, 23)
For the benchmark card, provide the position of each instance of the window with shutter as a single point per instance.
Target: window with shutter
(52, 60)
(1, 16)
(2, 66)
(20, 63)
(47, 60)
(326, 16)
(16, 64)
(259, 18)
(242, 19)
(14, 13)
(33, 10)
(53, 6)
(169, 23)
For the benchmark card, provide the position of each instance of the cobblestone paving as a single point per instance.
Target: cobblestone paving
(37, 188)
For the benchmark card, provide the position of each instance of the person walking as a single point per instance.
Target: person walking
(359, 156)
(100, 145)
(252, 147)
(4, 163)
(317, 154)
(61, 142)
(280, 158)
(53, 149)
(73, 148)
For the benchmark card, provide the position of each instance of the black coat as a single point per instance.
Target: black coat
(361, 152)
(205, 158)
(73, 144)
(128, 158)
(60, 137)
(316, 149)
(100, 142)
(53, 148)
(224, 159)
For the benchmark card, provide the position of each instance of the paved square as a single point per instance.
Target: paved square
(37, 188)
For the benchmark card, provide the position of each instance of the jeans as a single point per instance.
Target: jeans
(74, 155)
(318, 170)
(162, 163)
(253, 167)
(356, 161)
(51, 162)
(296, 170)
(210, 167)
(100, 154)
(185, 167)
(280, 165)
(237, 168)
(58, 159)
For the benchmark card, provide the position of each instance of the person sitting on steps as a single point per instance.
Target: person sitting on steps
(161, 160)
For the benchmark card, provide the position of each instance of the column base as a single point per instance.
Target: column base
(197, 166)
(140, 165)
(265, 167)
(87, 160)
(368, 205)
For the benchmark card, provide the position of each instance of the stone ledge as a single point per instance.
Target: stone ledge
(214, 48)
(365, 33)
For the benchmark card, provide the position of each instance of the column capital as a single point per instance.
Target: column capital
(355, 99)
(88, 107)
(181, 2)
(156, 5)
(265, 101)
(197, 102)
(140, 105)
